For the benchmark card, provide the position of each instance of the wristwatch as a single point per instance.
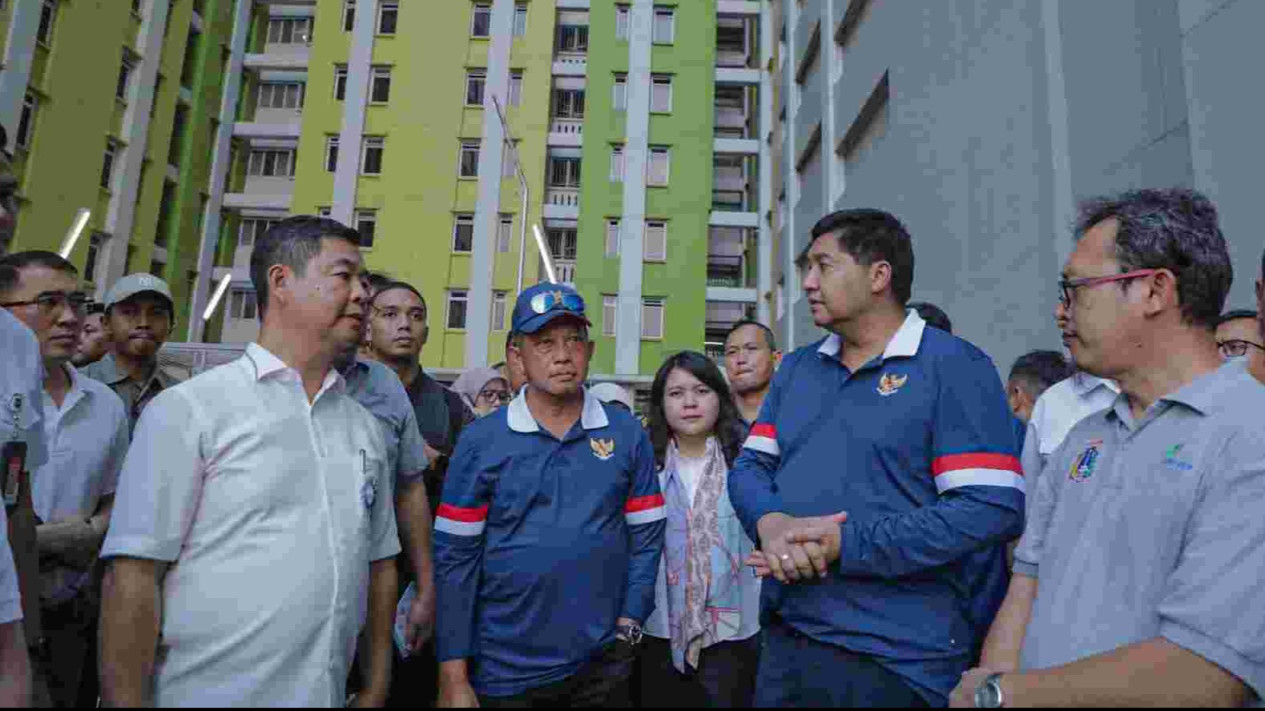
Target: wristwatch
(988, 694)
(629, 633)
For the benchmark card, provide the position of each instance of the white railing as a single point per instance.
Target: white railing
(566, 197)
(565, 270)
(574, 59)
(567, 126)
(731, 58)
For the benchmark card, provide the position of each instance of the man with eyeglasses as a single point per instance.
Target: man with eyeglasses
(86, 428)
(751, 358)
(138, 318)
(548, 539)
(1137, 580)
(1239, 339)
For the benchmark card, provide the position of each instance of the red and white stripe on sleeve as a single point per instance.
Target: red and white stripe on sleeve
(976, 469)
(457, 521)
(645, 509)
(763, 438)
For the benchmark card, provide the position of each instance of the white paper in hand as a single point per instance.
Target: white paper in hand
(401, 619)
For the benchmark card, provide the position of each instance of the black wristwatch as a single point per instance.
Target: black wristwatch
(988, 694)
(629, 633)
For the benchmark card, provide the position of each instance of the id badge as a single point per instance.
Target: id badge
(14, 461)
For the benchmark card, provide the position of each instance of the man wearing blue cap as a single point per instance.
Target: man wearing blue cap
(549, 532)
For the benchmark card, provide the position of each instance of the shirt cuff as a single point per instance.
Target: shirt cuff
(403, 479)
(1025, 568)
(10, 610)
(1247, 671)
(139, 547)
(389, 549)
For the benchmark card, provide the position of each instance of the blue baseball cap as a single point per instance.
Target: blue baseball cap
(544, 302)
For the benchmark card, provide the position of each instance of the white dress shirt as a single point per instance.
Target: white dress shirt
(21, 416)
(87, 440)
(271, 509)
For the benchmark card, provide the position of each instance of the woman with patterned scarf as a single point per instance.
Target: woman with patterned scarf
(701, 646)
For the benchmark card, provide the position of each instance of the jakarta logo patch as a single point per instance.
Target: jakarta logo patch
(1086, 462)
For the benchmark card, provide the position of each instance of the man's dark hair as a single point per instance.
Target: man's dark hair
(11, 267)
(293, 242)
(392, 285)
(870, 236)
(1039, 370)
(1236, 314)
(932, 314)
(377, 281)
(95, 307)
(769, 338)
(1174, 229)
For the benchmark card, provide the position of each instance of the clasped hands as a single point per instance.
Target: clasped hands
(794, 549)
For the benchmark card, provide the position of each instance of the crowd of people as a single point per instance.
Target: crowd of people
(874, 519)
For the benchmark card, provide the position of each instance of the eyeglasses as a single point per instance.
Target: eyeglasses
(1236, 348)
(550, 300)
(1067, 285)
(390, 314)
(50, 302)
(501, 396)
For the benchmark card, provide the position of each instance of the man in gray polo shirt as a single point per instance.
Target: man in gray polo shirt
(1137, 581)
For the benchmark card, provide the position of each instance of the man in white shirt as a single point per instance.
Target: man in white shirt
(85, 428)
(253, 519)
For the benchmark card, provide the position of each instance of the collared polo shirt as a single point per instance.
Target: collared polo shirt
(1153, 528)
(431, 404)
(136, 396)
(542, 543)
(271, 508)
(379, 390)
(87, 438)
(918, 447)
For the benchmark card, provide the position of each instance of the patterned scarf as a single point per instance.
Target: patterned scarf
(702, 541)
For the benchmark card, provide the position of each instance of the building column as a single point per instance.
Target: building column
(633, 222)
(221, 155)
(833, 179)
(487, 209)
(792, 292)
(764, 237)
(1060, 151)
(347, 171)
(19, 51)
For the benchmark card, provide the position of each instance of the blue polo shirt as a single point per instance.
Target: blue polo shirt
(541, 544)
(918, 447)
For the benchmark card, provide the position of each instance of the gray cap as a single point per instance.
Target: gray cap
(134, 284)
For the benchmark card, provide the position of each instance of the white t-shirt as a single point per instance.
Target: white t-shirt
(690, 471)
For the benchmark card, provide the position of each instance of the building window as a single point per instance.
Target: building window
(516, 88)
(371, 158)
(507, 163)
(94, 251)
(107, 164)
(463, 233)
(562, 243)
(458, 300)
(617, 164)
(621, 92)
(564, 172)
(656, 242)
(568, 103)
(251, 230)
(290, 30)
(274, 95)
(657, 168)
(664, 25)
(242, 304)
(48, 17)
(367, 226)
(612, 238)
(621, 22)
(331, 154)
(349, 15)
(481, 22)
(469, 164)
(26, 122)
(340, 82)
(271, 163)
(573, 38)
(388, 17)
(498, 310)
(610, 311)
(504, 229)
(520, 19)
(179, 122)
(165, 205)
(652, 319)
(661, 94)
(125, 76)
(380, 85)
(476, 80)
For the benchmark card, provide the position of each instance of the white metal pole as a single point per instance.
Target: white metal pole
(76, 229)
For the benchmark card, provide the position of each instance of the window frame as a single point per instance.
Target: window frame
(504, 233)
(108, 160)
(500, 300)
(646, 255)
(623, 21)
(473, 76)
(26, 121)
(618, 159)
(377, 74)
(459, 221)
(44, 30)
(453, 297)
(387, 7)
(363, 216)
(614, 235)
(515, 88)
(610, 325)
(519, 29)
(486, 10)
(349, 15)
(370, 143)
(670, 13)
(468, 146)
(665, 151)
(650, 302)
(331, 152)
(619, 98)
(340, 82)
(659, 80)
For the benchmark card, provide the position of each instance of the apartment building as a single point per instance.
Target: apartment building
(107, 106)
(981, 124)
(634, 134)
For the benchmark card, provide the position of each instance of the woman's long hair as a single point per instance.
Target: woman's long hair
(729, 429)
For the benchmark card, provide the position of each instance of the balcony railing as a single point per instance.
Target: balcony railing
(567, 126)
(732, 58)
(565, 270)
(562, 196)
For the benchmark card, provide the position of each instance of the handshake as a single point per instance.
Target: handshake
(794, 549)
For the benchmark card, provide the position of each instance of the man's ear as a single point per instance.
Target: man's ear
(279, 278)
(777, 359)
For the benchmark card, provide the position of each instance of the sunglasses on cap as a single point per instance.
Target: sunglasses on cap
(549, 300)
